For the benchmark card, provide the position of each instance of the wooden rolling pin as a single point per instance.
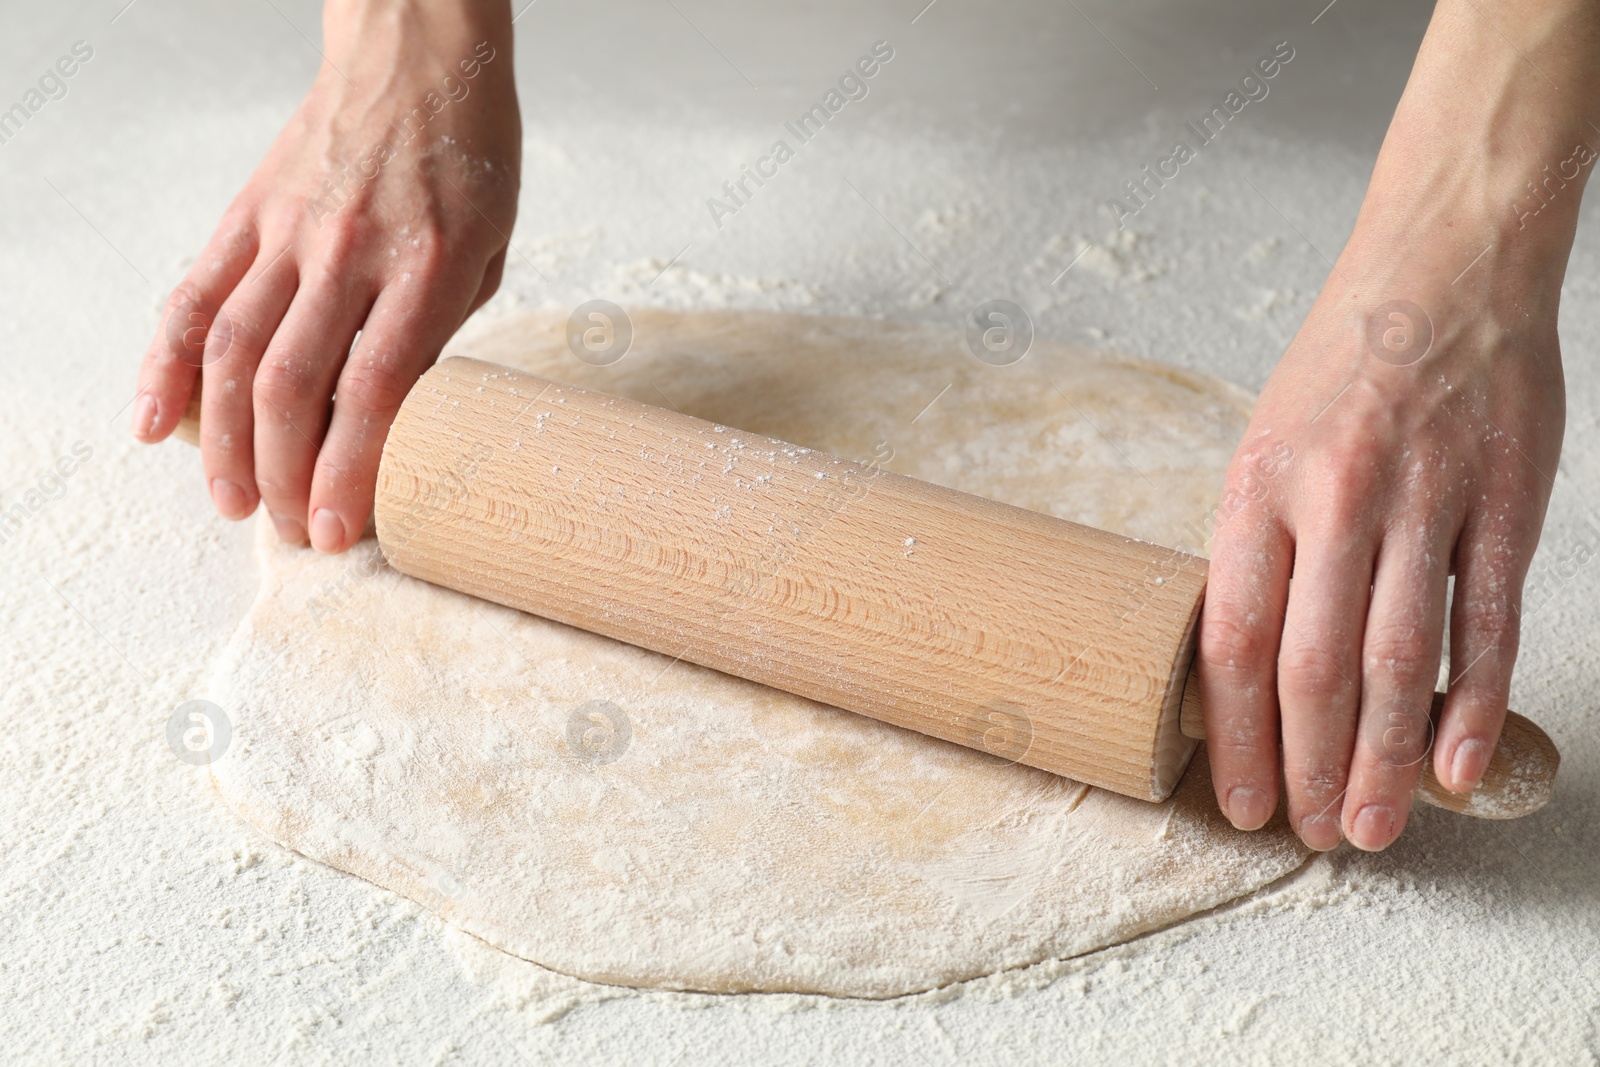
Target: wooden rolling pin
(1038, 640)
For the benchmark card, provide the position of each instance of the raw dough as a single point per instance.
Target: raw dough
(608, 813)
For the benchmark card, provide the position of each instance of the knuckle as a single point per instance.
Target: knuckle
(276, 489)
(284, 383)
(1253, 460)
(246, 335)
(226, 447)
(1243, 745)
(186, 294)
(1315, 784)
(1402, 653)
(1343, 473)
(372, 387)
(1401, 744)
(339, 244)
(236, 233)
(1346, 501)
(432, 253)
(227, 389)
(1249, 478)
(1488, 620)
(1229, 640)
(1310, 674)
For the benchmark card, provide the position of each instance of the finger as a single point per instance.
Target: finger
(1319, 665)
(292, 390)
(402, 337)
(1400, 665)
(1484, 634)
(1240, 628)
(189, 332)
(227, 421)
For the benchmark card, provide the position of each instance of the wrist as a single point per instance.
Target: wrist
(424, 39)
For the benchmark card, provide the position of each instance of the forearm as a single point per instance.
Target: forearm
(427, 26)
(390, 43)
(1494, 138)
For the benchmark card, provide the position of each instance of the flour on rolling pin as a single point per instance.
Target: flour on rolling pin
(778, 563)
(772, 562)
(1005, 630)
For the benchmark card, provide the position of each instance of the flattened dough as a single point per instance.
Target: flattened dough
(714, 834)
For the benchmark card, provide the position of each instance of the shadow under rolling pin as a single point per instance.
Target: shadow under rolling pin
(1003, 630)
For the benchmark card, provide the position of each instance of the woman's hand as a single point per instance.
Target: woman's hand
(384, 209)
(1411, 431)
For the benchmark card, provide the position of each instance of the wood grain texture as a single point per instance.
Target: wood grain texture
(188, 428)
(1518, 781)
(1038, 640)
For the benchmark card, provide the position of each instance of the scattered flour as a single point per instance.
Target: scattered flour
(619, 816)
(147, 924)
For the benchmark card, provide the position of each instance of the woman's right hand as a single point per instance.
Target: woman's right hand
(384, 208)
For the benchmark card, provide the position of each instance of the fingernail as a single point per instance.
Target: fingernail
(1247, 807)
(327, 531)
(1320, 832)
(144, 415)
(289, 531)
(229, 498)
(1373, 828)
(1468, 764)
